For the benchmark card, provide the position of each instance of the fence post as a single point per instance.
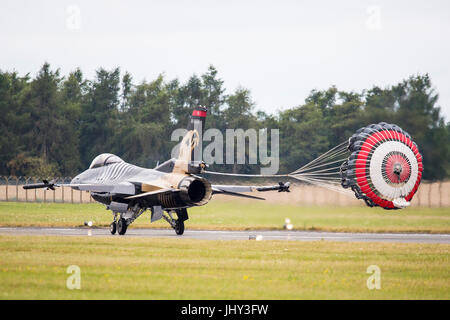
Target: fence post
(429, 194)
(54, 191)
(7, 184)
(313, 197)
(17, 188)
(35, 190)
(45, 195)
(418, 197)
(26, 190)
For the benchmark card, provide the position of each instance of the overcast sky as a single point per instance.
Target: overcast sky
(280, 50)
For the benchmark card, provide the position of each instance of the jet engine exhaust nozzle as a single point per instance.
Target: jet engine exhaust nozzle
(195, 191)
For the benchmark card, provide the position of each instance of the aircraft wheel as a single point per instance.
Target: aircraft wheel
(113, 228)
(121, 226)
(179, 227)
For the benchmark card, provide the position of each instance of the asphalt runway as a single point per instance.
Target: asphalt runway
(237, 235)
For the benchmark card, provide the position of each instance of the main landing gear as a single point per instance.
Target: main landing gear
(179, 227)
(176, 224)
(123, 220)
(120, 226)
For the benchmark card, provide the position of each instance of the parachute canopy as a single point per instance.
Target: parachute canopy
(384, 167)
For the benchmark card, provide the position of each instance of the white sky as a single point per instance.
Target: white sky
(280, 50)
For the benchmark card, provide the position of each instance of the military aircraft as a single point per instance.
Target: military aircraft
(167, 190)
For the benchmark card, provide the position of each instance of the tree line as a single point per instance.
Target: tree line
(54, 125)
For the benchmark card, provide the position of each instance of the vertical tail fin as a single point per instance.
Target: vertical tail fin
(190, 157)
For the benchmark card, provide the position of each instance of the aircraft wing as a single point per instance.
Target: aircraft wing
(118, 188)
(233, 190)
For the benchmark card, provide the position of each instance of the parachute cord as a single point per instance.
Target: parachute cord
(246, 175)
(341, 148)
(318, 166)
(323, 162)
(322, 170)
(320, 179)
(321, 158)
(333, 187)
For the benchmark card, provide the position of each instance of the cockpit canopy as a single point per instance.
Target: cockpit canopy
(104, 159)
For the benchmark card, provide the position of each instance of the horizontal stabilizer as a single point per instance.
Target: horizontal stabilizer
(281, 187)
(235, 194)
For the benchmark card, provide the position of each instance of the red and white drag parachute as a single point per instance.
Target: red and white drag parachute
(384, 167)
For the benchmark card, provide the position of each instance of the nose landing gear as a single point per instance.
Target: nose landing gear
(122, 220)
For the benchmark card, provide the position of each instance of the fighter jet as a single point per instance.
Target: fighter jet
(167, 190)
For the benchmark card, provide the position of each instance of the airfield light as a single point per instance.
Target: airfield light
(287, 224)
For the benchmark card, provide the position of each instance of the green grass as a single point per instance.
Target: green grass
(34, 267)
(239, 215)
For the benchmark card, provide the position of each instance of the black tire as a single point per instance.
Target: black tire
(122, 226)
(179, 227)
(113, 228)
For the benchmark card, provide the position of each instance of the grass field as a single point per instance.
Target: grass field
(34, 267)
(239, 215)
